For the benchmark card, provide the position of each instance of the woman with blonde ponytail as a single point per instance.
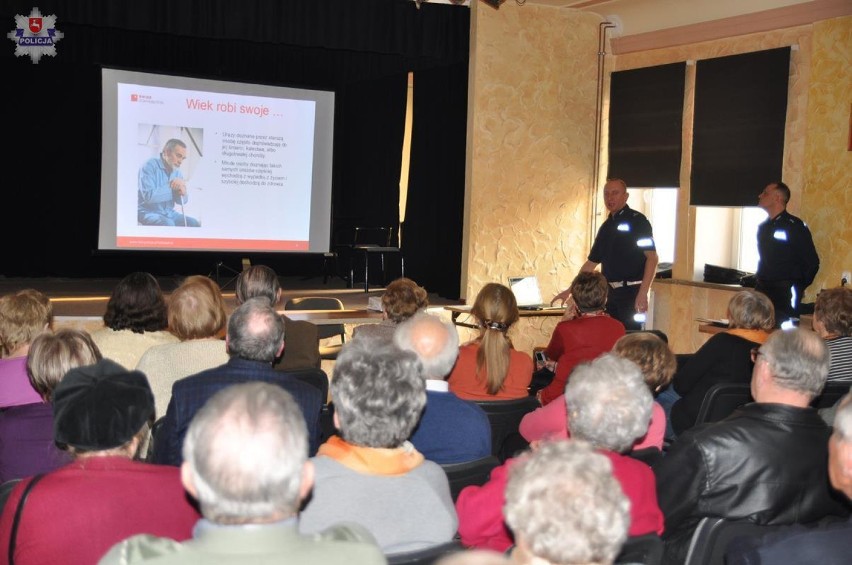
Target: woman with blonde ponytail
(489, 368)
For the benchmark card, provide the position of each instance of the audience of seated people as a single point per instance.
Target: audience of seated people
(26, 431)
(74, 514)
(245, 463)
(766, 462)
(584, 332)
(400, 301)
(450, 430)
(23, 316)
(657, 362)
(489, 368)
(197, 317)
(827, 543)
(566, 507)
(724, 358)
(254, 340)
(833, 323)
(370, 474)
(136, 319)
(609, 406)
(302, 349)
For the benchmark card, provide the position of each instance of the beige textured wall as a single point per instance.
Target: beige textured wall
(827, 200)
(531, 148)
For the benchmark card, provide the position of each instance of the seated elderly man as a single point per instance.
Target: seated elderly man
(766, 462)
(565, 507)
(74, 514)
(451, 430)
(370, 474)
(825, 544)
(609, 406)
(245, 462)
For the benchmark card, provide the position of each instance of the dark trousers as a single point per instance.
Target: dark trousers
(781, 294)
(621, 305)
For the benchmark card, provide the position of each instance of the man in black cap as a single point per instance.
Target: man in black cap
(77, 512)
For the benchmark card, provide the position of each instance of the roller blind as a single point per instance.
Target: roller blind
(740, 115)
(645, 123)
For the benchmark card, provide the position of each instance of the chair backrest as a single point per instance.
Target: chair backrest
(155, 430)
(381, 236)
(832, 392)
(659, 333)
(320, 303)
(313, 376)
(721, 400)
(469, 473)
(505, 419)
(712, 537)
(647, 550)
(424, 556)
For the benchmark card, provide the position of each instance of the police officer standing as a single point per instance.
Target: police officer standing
(788, 260)
(624, 247)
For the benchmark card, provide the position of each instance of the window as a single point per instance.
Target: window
(660, 207)
(726, 237)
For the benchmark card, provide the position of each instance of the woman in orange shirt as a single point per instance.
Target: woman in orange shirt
(489, 368)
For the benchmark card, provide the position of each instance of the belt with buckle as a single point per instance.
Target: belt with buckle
(620, 284)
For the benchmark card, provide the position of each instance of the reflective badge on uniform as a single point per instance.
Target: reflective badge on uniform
(645, 242)
(780, 235)
(623, 227)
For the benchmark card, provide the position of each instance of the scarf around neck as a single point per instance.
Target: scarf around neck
(372, 460)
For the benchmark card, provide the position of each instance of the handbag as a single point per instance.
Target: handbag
(18, 511)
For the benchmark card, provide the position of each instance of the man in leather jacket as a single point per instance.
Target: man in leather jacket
(767, 462)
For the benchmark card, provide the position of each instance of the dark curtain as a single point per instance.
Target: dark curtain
(740, 117)
(645, 125)
(360, 49)
(432, 237)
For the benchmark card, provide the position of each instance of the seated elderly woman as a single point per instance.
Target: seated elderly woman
(724, 358)
(197, 317)
(401, 300)
(657, 362)
(565, 507)
(26, 432)
(833, 323)
(609, 406)
(77, 512)
(370, 474)
(584, 332)
(23, 315)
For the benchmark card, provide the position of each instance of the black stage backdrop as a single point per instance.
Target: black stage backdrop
(361, 49)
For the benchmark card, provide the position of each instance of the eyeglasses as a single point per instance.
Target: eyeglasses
(755, 353)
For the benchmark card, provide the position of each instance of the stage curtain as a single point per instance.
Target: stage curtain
(645, 125)
(740, 118)
(361, 49)
(432, 237)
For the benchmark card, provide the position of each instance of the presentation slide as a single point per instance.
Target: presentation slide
(199, 165)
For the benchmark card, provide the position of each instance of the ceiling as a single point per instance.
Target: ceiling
(642, 16)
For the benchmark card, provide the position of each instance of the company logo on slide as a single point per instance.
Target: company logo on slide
(144, 98)
(35, 35)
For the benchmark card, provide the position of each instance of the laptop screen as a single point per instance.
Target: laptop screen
(526, 290)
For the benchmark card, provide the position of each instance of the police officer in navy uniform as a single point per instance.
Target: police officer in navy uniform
(788, 260)
(624, 247)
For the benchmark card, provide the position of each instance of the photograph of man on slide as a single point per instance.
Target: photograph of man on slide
(162, 188)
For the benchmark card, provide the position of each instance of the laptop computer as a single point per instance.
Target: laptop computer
(528, 293)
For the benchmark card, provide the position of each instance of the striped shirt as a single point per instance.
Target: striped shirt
(840, 352)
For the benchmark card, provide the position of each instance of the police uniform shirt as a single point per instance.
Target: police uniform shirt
(786, 250)
(621, 244)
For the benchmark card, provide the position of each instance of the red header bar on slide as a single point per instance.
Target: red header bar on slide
(210, 243)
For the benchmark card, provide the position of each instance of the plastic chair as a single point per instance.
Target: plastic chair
(325, 331)
(424, 556)
(832, 392)
(476, 472)
(712, 537)
(317, 378)
(721, 400)
(647, 550)
(367, 241)
(505, 419)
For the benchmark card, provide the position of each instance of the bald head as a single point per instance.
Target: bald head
(435, 342)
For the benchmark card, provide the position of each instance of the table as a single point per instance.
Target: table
(326, 317)
(456, 311)
(805, 322)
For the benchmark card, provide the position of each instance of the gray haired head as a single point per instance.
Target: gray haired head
(435, 342)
